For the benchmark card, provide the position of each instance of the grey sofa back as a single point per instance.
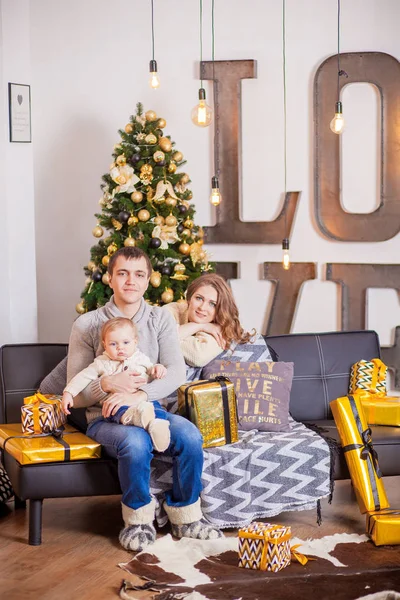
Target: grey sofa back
(322, 364)
(22, 368)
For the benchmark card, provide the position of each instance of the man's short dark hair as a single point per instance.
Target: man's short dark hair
(130, 253)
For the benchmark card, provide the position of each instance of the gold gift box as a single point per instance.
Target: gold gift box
(73, 445)
(383, 527)
(41, 413)
(264, 546)
(360, 455)
(211, 406)
(369, 375)
(381, 411)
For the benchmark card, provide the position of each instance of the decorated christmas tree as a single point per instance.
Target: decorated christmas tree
(146, 203)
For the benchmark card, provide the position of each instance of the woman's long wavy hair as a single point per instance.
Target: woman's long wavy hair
(226, 311)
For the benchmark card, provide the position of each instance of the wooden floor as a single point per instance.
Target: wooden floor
(79, 556)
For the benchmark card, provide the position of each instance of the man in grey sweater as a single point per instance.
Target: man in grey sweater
(129, 270)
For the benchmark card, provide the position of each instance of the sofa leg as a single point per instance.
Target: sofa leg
(18, 503)
(35, 522)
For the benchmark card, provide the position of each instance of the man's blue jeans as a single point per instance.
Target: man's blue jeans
(133, 448)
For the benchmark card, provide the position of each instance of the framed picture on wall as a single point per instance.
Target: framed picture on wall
(19, 103)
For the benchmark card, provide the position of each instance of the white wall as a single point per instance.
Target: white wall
(18, 302)
(90, 67)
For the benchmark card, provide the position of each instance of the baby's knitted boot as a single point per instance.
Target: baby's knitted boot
(160, 434)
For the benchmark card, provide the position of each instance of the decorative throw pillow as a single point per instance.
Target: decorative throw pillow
(262, 391)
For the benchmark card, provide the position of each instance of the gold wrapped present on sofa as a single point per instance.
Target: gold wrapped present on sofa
(380, 411)
(70, 444)
(211, 406)
(369, 375)
(383, 527)
(264, 546)
(360, 455)
(42, 413)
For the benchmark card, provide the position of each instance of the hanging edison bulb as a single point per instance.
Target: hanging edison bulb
(337, 123)
(215, 197)
(202, 113)
(154, 81)
(286, 257)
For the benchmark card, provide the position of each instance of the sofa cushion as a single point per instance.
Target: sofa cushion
(262, 391)
(322, 364)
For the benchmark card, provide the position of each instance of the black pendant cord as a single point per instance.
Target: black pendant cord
(152, 28)
(338, 50)
(286, 235)
(201, 43)
(216, 100)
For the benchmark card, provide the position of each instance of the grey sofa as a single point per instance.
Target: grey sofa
(322, 365)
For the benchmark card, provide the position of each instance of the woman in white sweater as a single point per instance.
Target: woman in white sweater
(208, 320)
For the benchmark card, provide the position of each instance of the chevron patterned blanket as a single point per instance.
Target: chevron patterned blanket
(261, 475)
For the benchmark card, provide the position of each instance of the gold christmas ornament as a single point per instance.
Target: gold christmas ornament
(188, 223)
(143, 215)
(128, 128)
(170, 220)
(158, 156)
(189, 195)
(133, 221)
(159, 220)
(116, 224)
(106, 279)
(185, 178)
(171, 202)
(197, 253)
(121, 160)
(105, 260)
(186, 232)
(171, 167)
(146, 170)
(165, 144)
(117, 147)
(150, 139)
(181, 301)
(137, 197)
(167, 295)
(151, 116)
(184, 248)
(80, 307)
(178, 156)
(129, 242)
(97, 231)
(155, 279)
(91, 265)
(150, 193)
(162, 123)
(179, 268)
(200, 232)
(112, 248)
(200, 242)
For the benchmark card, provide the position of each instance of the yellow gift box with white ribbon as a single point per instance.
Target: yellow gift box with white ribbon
(42, 413)
(68, 444)
(368, 375)
(383, 527)
(360, 455)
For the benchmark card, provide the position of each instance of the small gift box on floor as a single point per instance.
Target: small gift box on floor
(41, 414)
(360, 455)
(211, 406)
(369, 375)
(264, 546)
(383, 527)
(71, 445)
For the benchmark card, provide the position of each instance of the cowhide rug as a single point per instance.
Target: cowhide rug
(347, 566)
